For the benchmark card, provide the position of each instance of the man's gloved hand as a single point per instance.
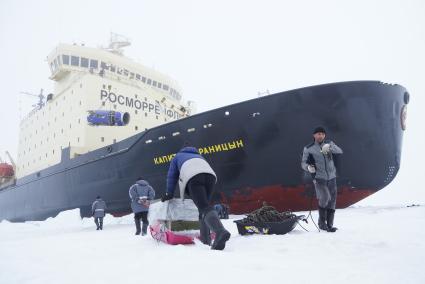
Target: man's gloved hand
(311, 169)
(166, 197)
(326, 148)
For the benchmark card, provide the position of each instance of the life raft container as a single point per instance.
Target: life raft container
(6, 170)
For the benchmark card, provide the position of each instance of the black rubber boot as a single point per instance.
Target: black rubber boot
(145, 229)
(215, 225)
(330, 220)
(101, 223)
(97, 224)
(205, 234)
(322, 219)
(138, 230)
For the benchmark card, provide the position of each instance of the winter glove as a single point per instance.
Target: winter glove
(311, 169)
(166, 197)
(326, 148)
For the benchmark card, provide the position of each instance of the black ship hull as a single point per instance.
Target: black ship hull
(255, 148)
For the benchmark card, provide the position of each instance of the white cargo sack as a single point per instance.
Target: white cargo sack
(173, 210)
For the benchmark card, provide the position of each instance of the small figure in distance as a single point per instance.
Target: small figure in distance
(98, 209)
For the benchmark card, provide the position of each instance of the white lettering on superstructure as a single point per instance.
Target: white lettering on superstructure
(138, 104)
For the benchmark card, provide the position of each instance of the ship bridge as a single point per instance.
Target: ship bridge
(65, 59)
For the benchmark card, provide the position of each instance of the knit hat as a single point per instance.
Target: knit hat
(319, 129)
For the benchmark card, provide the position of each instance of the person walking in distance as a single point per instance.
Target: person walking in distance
(98, 209)
(141, 194)
(318, 160)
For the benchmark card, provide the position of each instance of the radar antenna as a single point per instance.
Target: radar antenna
(40, 96)
(117, 42)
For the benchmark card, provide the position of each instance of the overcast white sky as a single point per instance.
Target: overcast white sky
(223, 52)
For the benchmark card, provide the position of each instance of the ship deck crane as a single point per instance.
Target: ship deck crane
(11, 160)
(40, 96)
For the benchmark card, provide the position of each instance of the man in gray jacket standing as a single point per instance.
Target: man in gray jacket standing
(318, 160)
(141, 194)
(98, 209)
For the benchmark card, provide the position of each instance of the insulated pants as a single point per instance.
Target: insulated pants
(143, 216)
(200, 188)
(326, 192)
(99, 222)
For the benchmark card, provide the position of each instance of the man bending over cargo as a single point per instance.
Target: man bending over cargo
(197, 179)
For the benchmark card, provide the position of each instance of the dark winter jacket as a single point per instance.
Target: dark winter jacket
(186, 164)
(324, 163)
(141, 193)
(98, 208)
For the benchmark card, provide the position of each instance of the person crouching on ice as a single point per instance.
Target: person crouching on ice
(318, 160)
(197, 179)
(141, 194)
(98, 212)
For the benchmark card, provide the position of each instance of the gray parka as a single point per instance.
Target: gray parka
(98, 208)
(141, 189)
(325, 167)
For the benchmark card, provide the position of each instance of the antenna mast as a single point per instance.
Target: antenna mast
(117, 42)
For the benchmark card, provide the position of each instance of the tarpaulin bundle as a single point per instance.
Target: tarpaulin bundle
(161, 214)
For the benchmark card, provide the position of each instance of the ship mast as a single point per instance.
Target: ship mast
(117, 42)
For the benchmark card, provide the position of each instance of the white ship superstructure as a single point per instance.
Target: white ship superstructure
(94, 81)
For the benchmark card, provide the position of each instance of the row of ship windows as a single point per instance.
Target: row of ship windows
(70, 108)
(94, 64)
(102, 139)
(50, 108)
(79, 122)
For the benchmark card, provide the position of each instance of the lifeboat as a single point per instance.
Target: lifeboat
(6, 170)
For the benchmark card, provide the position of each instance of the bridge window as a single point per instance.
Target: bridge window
(165, 87)
(65, 59)
(93, 63)
(137, 76)
(159, 85)
(154, 83)
(75, 60)
(149, 81)
(112, 68)
(84, 62)
(144, 79)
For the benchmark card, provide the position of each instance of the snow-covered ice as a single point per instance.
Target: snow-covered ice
(373, 245)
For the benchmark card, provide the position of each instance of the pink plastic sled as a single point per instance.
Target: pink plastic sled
(160, 233)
